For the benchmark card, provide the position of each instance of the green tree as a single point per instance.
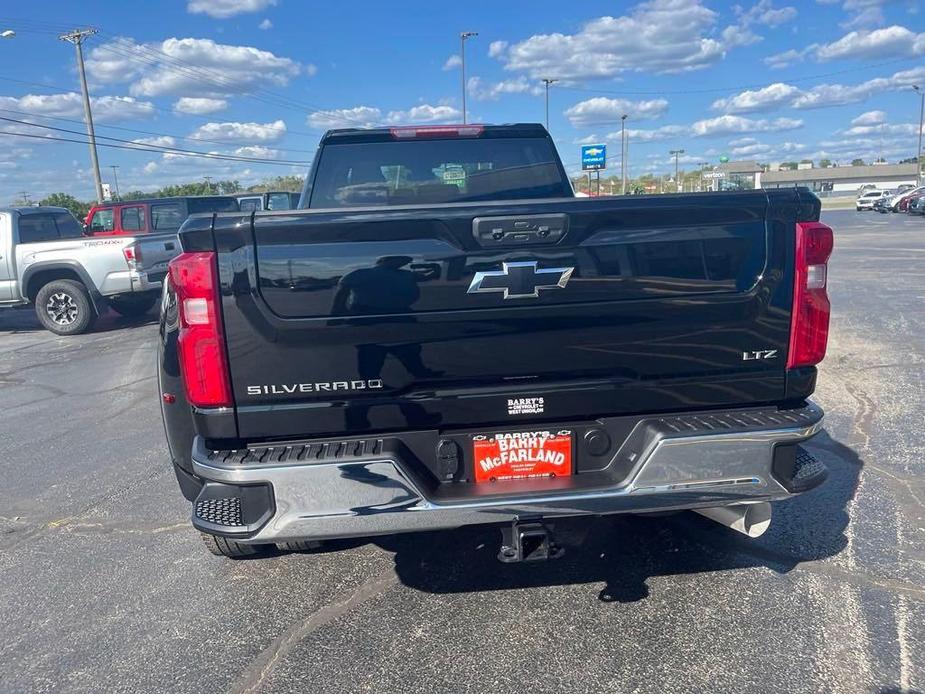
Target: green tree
(825, 163)
(78, 209)
(291, 184)
(857, 162)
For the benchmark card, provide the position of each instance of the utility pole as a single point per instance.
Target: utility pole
(115, 179)
(547, 82)
(25, 198)
(77, 38)
(918, 157)
(677, 183)
(462, 54)
(623, 153)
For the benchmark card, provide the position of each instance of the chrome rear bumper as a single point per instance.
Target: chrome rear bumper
(679, 467)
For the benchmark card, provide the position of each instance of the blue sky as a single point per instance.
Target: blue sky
(260, 80)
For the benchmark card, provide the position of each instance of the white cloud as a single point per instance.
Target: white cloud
(496, 49)
(893, 41)
(764, 12)
(371, 117)
(661, 36)
(70, 105)
(736, 35)
(356, 117)
(767, 151)
(825, 95)
(765, 99)
(453, 62)
(862, 13)
(222, 9)
(781, 95)
(425, 113)
(265, 25)
(159, 141)
(600, 109)
(870, 118)
(257, 152)
(209, 69)
(199, 105)
(241, 132)
(726, 125)
(587, 140)
(665, 132)
(883, 129)
(788, 58)
(489, 92)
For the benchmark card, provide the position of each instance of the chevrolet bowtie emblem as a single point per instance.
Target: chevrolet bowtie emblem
(521, 280)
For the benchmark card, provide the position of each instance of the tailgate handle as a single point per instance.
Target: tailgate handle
(169, 246)
(517, 230)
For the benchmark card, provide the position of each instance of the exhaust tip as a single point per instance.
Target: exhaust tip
(749, 519)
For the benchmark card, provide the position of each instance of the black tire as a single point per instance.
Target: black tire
(64, 307)
(133, 305)
(223, 547)
(299, 546)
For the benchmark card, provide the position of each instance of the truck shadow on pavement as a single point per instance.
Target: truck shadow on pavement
(624, 551)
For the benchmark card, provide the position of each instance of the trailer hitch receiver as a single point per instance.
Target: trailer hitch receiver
(528, 542)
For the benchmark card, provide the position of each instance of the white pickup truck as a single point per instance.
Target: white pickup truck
(46, 260)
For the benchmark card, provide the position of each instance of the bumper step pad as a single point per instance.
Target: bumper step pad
(808, 472)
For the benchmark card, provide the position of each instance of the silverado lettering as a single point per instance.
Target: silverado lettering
(289, 388)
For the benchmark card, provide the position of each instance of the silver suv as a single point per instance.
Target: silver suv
(46, 260)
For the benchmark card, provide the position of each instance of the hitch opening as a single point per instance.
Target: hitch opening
(528, 542)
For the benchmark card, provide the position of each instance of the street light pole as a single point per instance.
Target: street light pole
(918, 158)
(623, 154)
(462, 55)
(77, 38)
(547, 82)
(677, 183)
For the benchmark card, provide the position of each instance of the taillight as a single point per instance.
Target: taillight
(809, 323)
(200, 343)
(414, 131)
(131, 256)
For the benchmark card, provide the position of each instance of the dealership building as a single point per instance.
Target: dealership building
(832, 180)
(842, 180)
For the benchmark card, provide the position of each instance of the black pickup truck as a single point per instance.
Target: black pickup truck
(444, 335)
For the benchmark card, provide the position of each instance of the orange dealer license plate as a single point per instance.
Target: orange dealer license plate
(522, 455)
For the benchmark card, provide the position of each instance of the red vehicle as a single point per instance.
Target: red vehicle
(908, 200)
(155, 215)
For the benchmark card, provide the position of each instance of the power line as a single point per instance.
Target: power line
(62, 90)
(150, 132)
(128, 144)
(205, 155)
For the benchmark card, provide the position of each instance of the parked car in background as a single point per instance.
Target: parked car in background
(917, 206)
(47, 260)
(866, 200)
(883, 205)
(153, 215)
(909, 199)
(896, 202)
(272, 201)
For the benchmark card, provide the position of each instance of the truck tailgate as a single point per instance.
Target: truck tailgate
(483, 314)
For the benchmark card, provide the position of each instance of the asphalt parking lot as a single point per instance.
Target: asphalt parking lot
(104, 586)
